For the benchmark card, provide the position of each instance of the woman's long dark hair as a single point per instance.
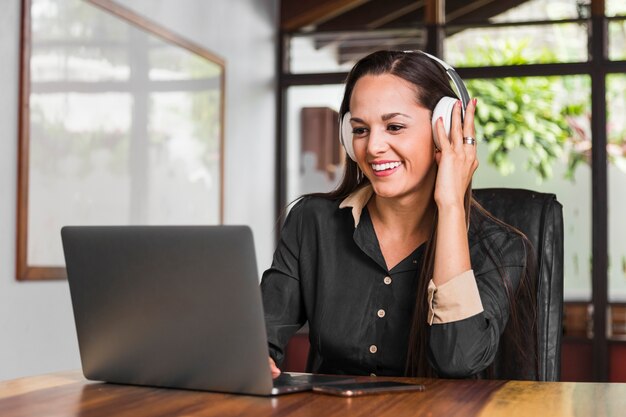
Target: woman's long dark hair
(518, 344)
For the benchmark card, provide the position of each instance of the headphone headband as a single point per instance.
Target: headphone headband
(433, 57)
(453, 75)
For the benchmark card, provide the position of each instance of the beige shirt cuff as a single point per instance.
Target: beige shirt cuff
(455, 300)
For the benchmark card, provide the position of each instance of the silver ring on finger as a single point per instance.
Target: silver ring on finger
(468, 140)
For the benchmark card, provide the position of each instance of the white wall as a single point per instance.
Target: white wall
(36, 325)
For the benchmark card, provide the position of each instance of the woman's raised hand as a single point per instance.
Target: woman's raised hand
(456, 158)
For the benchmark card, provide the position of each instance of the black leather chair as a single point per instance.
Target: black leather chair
(540, 217)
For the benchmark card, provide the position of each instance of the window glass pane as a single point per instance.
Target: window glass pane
(313, 150)
(528, 10)
(124, 128)
(617, 40)
(615, 7)
(334, 52)
(616, 150)
(169, 64)
(536, 135)
(69, 38)
(517, 45)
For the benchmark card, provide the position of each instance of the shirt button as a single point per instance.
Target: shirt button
(381, 313)
(387, 280)
(373, 349)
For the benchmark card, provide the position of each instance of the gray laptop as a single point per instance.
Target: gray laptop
(172, 306)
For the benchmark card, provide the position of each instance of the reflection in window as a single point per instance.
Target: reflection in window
(303, 161)
(124, 128)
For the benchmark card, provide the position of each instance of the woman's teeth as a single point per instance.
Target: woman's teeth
(383, 167)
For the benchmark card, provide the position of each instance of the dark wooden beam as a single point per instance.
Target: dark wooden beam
(597, 7)
(376, 14)
(435, 19)
(458, 9)
(372, 15)
(480, 10)
(459, 12)
(296, 14)
(435, 12)
(414, 19)
(599, 191)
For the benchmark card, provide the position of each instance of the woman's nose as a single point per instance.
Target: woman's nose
(377, 143)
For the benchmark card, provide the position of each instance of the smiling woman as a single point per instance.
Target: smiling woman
(398, 270)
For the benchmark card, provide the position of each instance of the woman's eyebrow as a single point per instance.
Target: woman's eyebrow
(384, 117)
(388, 116)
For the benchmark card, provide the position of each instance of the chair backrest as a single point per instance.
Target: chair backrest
(540, 217)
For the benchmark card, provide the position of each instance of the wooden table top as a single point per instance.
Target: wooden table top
(69, 394)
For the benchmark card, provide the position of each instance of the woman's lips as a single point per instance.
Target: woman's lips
(385, 168)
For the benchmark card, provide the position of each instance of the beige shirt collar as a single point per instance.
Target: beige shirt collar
(357, 200)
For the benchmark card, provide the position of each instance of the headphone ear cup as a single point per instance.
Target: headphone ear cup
(443, 109)
(345, 135)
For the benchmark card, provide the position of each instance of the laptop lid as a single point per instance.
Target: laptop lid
(169, 306)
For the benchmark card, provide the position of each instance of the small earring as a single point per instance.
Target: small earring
(359, 174)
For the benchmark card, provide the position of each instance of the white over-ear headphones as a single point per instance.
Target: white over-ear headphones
(443, 109)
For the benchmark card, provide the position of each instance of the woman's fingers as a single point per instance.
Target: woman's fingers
(274, 368)
(456, 133)
(469, 130)
(444, 142)
(459, 128)
(468, 123)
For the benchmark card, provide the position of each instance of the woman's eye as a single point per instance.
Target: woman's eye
(395, 128)
(359, 131)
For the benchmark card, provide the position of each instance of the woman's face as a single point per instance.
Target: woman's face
(392, 136)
